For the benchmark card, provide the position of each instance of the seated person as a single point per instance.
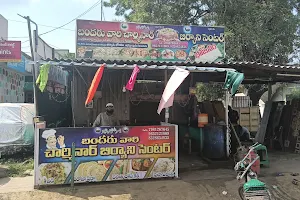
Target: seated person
(233, 116)
(242, 132)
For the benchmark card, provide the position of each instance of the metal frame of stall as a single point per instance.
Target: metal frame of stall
(192, 69)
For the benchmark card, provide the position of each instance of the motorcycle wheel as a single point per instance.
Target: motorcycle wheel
(241, 192)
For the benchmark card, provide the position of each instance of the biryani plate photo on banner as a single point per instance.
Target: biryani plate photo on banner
(149, 42)
(106, 154)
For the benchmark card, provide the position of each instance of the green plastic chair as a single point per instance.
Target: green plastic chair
(261, 150)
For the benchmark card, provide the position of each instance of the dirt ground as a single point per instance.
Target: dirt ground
(139, 190)
(219, 184)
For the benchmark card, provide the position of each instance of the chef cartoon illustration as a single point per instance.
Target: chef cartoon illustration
(51, 141)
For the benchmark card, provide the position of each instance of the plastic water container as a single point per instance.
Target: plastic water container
(214, 141)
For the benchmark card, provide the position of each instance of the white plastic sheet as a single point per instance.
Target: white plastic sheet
(16, 124)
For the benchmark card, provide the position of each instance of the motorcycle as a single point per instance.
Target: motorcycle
(247, 173)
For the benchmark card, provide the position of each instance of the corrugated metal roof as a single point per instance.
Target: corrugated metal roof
(71, 63)
(258, 65)
(170, 65)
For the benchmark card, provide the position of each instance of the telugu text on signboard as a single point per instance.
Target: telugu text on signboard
(106, 154)
(10, 51)
(149, 42)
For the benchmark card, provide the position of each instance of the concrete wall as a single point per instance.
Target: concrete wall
(60, 53)
(44, 50)
(279, 93)
(11, 85)
(3, 28)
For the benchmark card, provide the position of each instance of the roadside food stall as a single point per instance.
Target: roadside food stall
(151, 57)
(143, 147)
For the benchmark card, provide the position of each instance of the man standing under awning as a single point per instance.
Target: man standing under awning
(107, 118)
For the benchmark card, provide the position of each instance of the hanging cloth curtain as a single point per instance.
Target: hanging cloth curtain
(94, 85)
(174, 82)
(132, 79)
(233, 81)
(43, 77)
